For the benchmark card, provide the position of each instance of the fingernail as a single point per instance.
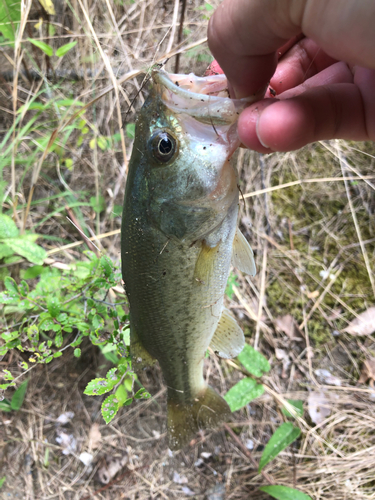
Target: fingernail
(257, 131)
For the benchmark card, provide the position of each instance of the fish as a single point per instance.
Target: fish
(179, 236)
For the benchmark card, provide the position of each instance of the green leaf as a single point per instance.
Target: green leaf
(53, 306)
(10, 16)
(11, 285)
(117, 211)
(254, 362)
(5, 251)
(7, 375)
(47, 49)
(77, 342)
(298, 406)
(2, 481)
(59, 339)
(47, 324)
(121, 394)
(232, 281)
(61, 51)
(33, 334)
(19, 396)
(98, 204)
(242, 393)
(281, 438)
(32, 272)
(102, 142)
(130, 130)
(5, 405)
(110, 407)
(68, 103)
(77, 352)
(284, 493)
(107, 265)
(5, 386)
(28, 249)
(142, 394)
(8, 228)
(99, 386)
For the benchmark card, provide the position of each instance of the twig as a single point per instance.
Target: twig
(179, 35)
(174, 24)
(308, 181)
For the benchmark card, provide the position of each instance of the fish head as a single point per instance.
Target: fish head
(186, 133)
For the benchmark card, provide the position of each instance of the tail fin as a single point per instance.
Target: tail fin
(207, 411)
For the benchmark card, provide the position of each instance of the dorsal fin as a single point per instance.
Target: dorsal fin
(242, 254)
(228, 339)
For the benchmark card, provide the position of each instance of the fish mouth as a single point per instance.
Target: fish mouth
(204, 98)
(203, 106)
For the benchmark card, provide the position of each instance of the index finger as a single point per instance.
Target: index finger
(244, 35)
(245, 45)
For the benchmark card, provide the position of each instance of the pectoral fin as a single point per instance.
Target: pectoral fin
(228, 340)
(204, 267)
(141, 358)
(242, 254)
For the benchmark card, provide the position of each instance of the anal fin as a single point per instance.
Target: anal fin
(242, 254)
(228, 340)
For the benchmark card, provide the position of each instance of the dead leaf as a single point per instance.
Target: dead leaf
(287, 324)
(318, 407)
(111, 468)
(86, 458)
(283, 356)
(48, 6)
(188, 491)
(368, 372)
(336, 313)
(364, 324)
(95, 437)
(65, 417)
(327, 378)
(179, 479)
(67, 442)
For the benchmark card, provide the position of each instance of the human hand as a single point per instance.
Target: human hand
(324, 79)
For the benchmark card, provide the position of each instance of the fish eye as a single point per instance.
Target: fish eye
(163, 146)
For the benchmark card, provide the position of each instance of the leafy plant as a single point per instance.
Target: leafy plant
(66, 306)
(48, 50)
(11, 242)
(17, 399)
(10, 16)
(245, 391)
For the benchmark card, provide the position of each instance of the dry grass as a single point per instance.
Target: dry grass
(313, 234)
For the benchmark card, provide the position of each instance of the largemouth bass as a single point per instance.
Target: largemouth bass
(179, 236)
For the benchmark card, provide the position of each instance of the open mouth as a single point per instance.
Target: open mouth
(204, 98)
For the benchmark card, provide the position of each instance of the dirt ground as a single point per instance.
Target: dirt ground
(313, 237)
